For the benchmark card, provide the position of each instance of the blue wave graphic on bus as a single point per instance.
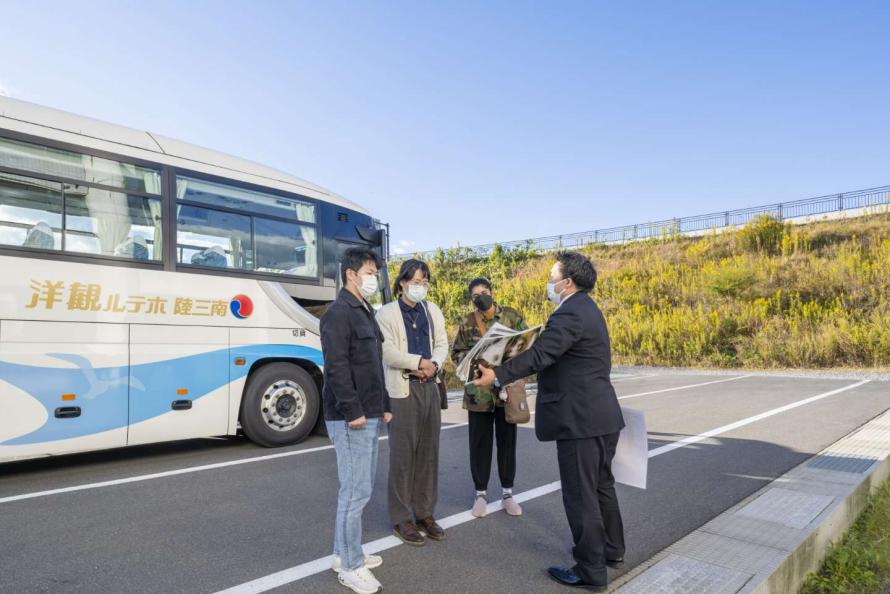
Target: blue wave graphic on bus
(96, 386)
(108, 397)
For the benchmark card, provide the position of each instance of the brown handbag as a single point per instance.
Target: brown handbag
(516, 409)
(443, 391)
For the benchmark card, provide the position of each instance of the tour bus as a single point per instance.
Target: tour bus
(152, 290)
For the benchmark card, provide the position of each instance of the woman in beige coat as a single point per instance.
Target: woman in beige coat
(415, 346)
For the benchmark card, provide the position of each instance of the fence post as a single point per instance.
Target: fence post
(779, 208)
(726, 219)
(840, 202)
(635, 231)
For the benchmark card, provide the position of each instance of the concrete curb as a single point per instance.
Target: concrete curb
(770, 542)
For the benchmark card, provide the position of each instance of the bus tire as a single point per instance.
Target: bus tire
(280, 405)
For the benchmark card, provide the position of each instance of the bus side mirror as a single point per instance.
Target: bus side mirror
(373, 236)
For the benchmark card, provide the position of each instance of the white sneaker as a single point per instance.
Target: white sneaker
(480, 507)
(511, 507)
(371, 562)
(361, 581)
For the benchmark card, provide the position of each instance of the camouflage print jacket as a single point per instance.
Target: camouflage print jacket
(482, 399)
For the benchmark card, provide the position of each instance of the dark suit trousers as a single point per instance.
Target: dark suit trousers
(588, 493)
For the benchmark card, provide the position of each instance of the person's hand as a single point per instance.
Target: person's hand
(387, 417)
(486, 377)
(428, 368)
(359, 423)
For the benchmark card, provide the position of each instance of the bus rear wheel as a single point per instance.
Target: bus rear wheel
(280, 405)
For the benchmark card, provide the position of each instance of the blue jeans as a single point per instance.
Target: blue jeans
(356, 467)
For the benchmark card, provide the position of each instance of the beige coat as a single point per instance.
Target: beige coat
(396, 358)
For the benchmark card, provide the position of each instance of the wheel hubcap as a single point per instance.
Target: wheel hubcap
(283, 405)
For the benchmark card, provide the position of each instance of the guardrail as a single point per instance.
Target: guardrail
(795, 209)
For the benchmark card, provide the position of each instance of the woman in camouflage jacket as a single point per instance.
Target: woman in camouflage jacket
(485, 407)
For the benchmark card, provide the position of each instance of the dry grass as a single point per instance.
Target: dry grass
(767, 296)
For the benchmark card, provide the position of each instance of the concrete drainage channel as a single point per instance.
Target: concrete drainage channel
(769, 542)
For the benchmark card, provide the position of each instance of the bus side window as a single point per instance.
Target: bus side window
(207, 237)
(111, 208)
(99, 221)
(30, 212)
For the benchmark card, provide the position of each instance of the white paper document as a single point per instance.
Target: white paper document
(631, 462)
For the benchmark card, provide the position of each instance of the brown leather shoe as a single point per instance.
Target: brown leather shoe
(429, 527)
(408, 534)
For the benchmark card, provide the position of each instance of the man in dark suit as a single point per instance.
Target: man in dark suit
(577, 408)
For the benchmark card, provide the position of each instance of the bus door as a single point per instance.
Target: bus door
(63, 386)
(179, 377)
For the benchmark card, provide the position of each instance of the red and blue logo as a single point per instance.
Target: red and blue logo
(241, 306)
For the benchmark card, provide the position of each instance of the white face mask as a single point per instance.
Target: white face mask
(552, 295)
(368, 286)
(417, 293)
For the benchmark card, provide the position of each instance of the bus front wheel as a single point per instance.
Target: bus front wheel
(280, 405)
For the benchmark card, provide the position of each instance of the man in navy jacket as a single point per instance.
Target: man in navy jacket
(577, 408)
(356, 404)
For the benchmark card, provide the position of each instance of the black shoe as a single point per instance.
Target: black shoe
(615, 563)
(568, 577)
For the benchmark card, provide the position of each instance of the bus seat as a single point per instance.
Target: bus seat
(213, 256)
(40, 236)
(134, 247)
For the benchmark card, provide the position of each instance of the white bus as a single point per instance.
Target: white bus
(152, 290)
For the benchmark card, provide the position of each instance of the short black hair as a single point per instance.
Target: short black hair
(407, 271)
(479, 280)
(579, 268)
(354, 258)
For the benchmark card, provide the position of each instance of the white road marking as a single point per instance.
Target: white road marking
(719, 430)
(624, 378)
(294, 574)
(731, 379)
(188, 470)
(720, 381)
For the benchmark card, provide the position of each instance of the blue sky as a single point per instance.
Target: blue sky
(473, 122)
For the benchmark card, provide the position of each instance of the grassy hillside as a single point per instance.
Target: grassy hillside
(766, 296)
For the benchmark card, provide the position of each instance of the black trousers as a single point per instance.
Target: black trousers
(588, 494)
(481, 427)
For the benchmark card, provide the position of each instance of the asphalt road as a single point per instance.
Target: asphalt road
(209, 515)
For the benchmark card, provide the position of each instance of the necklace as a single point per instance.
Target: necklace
(414, 319)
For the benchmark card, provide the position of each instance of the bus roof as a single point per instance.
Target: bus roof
(62, 126)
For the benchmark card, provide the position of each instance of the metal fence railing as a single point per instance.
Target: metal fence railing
(795, 209)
